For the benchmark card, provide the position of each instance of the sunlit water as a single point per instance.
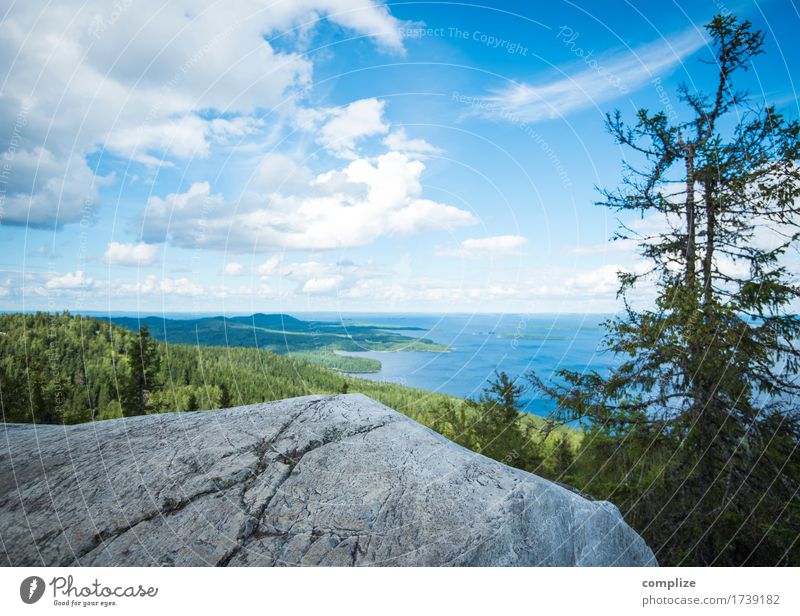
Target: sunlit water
(482, 344)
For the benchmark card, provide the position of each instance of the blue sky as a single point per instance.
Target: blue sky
(333, 155)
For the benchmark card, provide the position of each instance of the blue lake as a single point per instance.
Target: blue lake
(481, 344)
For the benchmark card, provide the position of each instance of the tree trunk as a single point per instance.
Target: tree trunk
(690, 216)
(708, 257)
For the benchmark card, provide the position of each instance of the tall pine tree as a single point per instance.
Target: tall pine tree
(695, 432)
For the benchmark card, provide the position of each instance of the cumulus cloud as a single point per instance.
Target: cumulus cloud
(601, 280)
(130, 254)
(340, 130)
(234, 269)
(343, 127)
(353, 206)
(498, 245)
(69, 281)
(321, 278)
(168, 286)
(45, 190)
(399, 141)
(318, 286)
(368, 16)
(108, 77)
(277, 172)
(180, 286)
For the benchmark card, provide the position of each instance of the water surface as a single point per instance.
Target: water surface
(482, 344)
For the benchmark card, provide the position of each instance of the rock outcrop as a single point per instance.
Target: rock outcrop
(319, 480)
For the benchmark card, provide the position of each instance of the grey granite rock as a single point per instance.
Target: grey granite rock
(319, 480)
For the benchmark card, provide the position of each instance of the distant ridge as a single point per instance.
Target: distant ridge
(279, 333)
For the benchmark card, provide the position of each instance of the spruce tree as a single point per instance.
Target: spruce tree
(191, 403)
(143, 364)
(500, 431)
(694, 433)
(224, 396)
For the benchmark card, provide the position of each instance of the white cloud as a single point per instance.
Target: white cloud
(152, 285)
(321, 278)
(183, 215)
(234, 269)
(131, 254)
(278, 172)
(597, 281)
(306, 270)
(186, 137)
(494, 246)
(371, 17)
(388, 292)
(269, 266)
(180, 286)
(322, 285)
(246, 291)
(45, 190)
(347, 125)
(109, 77)
(398, 141)
(225, 130)
(69, 281)
(354, 206)
(422, 214)
(597, 81)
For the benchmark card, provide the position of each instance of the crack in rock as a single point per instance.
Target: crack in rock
(290, 460)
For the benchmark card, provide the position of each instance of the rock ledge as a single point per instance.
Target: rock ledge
(318, 480)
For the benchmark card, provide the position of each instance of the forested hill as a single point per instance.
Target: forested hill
(279, 333)
(65, 368)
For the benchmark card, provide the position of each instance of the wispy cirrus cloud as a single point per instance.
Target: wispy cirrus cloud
(598, 79)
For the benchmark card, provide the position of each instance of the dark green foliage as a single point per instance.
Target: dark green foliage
(563, 457)
(335, 361)
(191, 403)
(500, 431)
(35, 385)
(695, 433)
(501, 398)
(142, 378)
(495, 427)
(224, 396)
